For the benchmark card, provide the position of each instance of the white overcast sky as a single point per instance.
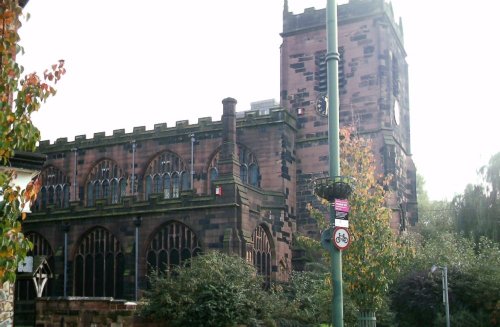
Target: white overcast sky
(137, 63)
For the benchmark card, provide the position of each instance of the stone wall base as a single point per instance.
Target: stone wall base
(87, 311)
(6, 304)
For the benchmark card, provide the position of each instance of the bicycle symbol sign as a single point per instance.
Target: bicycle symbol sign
(341, 238)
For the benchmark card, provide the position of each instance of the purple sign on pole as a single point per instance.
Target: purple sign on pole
(341, 205)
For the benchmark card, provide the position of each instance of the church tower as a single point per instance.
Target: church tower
(373, 87)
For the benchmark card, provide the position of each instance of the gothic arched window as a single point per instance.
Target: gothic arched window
(166, 174)
(54, 190)
(249, 167)
(99, 265)
(172, 244)
(103, 180)
(260, 254)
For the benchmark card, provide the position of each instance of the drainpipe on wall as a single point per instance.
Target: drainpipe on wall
(192, 162)
(137, 223)
(133, 167)
(75, 173)
(65, 271)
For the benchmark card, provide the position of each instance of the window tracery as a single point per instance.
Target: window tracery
(260, 253)
(172, 245)
(249, 167)
(167, 174)
(106, 181)
(99, 265)
(54, 190)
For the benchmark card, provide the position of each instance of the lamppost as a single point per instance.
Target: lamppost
(335, 187)
(332, 63)
(444, 278)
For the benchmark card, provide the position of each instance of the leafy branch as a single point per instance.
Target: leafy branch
(20, 96)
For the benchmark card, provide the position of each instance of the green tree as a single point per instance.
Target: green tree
(473, 263)
(491, 175)
(434, 219)
(213, 289)
(434, 216)
(19, 98)
(477, 210)
(473, 283)
(470, 211)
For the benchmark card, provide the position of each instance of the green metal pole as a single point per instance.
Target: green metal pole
(332, 61)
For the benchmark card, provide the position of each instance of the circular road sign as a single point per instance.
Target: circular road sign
(341, 238)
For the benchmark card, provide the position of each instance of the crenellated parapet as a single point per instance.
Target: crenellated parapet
(205, 128)
(315, 19)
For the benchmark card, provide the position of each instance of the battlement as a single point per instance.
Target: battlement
(161, 130)
(313, 19)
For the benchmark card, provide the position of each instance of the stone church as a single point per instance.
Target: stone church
(113, 207)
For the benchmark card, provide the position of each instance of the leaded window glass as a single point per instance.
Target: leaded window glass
(166, 186)
(166, 174)
(115, 192)
(54, 190)
(103, 179)
(253, 175)
(149, 186)
(249, 167)
(99, 265)
(172, 244)
(260, 254)
(175, 185)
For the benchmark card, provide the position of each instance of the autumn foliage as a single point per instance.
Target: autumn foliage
(372, 260)
(20, 96)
